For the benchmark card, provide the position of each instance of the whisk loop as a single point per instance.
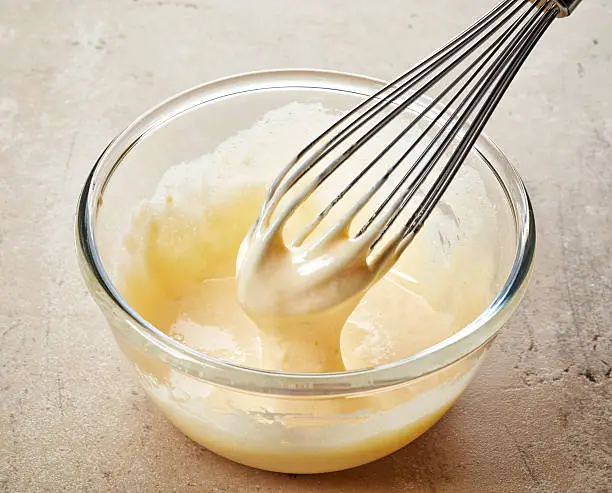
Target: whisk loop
(467, 79)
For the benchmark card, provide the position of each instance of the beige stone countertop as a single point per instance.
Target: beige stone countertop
(538, 416)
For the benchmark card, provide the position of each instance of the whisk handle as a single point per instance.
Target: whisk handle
(566, 7)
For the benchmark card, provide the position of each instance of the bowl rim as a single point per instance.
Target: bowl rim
(464, 342)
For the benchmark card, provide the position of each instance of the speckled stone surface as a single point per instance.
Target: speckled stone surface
(538, 418)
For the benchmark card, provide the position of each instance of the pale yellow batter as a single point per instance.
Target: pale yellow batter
(179, 273)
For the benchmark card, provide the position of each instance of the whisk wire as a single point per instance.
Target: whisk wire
(549, 13)
(479, 63)
(471, 102)
(486, 55)
(494, 49)
(320, 147)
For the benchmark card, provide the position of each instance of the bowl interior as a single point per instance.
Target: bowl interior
(195, 122)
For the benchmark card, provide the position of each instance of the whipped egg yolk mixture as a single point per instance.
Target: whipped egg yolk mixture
(179, 272)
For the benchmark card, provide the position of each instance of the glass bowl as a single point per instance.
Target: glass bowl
(285, 422)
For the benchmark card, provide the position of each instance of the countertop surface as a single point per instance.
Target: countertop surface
(538, 416)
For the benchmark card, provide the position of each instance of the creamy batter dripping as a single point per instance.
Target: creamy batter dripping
(301, 298)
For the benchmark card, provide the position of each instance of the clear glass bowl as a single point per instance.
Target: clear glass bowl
(286, 422)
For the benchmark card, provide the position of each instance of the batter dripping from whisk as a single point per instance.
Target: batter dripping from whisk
(288, 293)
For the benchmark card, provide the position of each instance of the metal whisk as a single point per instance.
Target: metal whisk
(470, 74)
